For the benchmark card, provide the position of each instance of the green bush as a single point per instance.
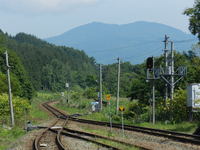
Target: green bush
(20, 105)
(75, 96)
(175, 110)
(48, 95)
(137, 112)
(90, 93)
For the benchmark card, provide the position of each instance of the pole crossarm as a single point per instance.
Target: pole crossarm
(166, 80)
(180, 72)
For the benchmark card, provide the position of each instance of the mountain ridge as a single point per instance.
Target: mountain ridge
(103, 41)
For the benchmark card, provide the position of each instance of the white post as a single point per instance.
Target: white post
(10, 92)
(118, 85)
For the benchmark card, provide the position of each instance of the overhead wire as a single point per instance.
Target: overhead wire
(154, 51)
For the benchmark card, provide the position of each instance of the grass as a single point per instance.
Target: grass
(117, 145)
(8, 136)
(36, 113)
(36, 116)
(185, 127)
(84, 107)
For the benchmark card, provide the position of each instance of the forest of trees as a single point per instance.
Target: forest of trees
(48, 66)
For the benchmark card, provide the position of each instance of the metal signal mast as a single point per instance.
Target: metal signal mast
(169, 74)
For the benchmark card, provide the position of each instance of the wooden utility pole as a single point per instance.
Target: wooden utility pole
(100, 86)
(9, 92)
(118, 86)
(153, 96)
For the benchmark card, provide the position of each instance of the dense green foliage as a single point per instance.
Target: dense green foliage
(21, 85)
(194, 14)
(50, 66)
(134, 85)
(20, 106)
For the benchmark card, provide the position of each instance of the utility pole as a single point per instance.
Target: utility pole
(166, 65)
(118, 85)
(168, 74)
(9, 91)
(100, 86)
(153, 96)
(172, 71)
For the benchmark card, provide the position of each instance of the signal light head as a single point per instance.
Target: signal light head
(149, 62)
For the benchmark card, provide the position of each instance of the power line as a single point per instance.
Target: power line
(185, 41)
(141, 44)
(158, 49)
(127, 46)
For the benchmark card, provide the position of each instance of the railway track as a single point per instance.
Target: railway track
(87, 137)
(92, 138)
(176, 136)
(48, 139)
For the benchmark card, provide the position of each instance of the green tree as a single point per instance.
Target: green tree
(21, 85)
(194, 14)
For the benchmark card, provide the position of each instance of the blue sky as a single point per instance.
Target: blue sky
(45, 18)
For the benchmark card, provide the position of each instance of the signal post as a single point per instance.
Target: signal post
(108, 98)
(152, 76)
(122, 109)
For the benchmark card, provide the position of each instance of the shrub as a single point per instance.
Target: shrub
(175, 110)
(137, 111)
(90, 93)
(20, 105)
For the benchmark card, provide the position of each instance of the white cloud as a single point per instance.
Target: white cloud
(34, 6)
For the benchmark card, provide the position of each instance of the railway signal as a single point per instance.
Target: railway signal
(152, 76)
(150, 62)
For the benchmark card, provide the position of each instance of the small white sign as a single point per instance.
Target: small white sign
(62, 94)
(67, 85)
(193, 93)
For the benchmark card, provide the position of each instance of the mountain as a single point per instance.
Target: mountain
(132, 42)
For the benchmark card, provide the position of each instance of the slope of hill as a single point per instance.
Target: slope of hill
(20, 81)
(133, 42)
(50, 66)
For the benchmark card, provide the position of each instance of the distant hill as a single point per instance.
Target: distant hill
(50, 66)
(132, 42)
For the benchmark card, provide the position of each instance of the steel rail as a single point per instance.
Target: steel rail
(104, 137)
(58, 114)
(87, 139)
(177, 136)
(58, 137)
(36, 143)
